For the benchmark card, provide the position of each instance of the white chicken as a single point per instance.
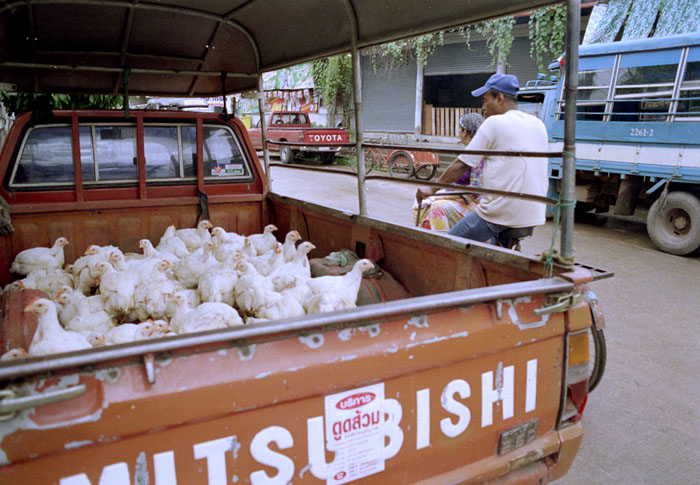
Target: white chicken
(328, 302)
(268, 262)
(289, 247)
(13, 354)
(229, 249)
(86, 322)
(117, 289)
(344, 286)
(207, 316)
(221, 237)
(191, 297)
(50, 281)
(217, 286)
(191, 267)
(266, 241)
(150, 252)
(40, 258)
(169, 243)
(50, 337)
(248, 287)
(124, 333)
(195, 238)
(272, 305)
(152, 294)
(71, 302)
(295, 272)
(83, 269)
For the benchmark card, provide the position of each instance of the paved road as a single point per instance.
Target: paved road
(642, 424)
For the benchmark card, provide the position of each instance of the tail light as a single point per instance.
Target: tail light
(575, 385)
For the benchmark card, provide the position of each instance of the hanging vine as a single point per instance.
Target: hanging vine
(400, 52)
(547, 29)
(499, 37)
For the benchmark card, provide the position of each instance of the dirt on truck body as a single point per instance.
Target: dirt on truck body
(463, 362)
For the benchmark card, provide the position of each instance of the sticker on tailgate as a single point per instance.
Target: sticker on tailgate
(354, 430)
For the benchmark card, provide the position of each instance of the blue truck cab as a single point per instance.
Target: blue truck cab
(637, 127)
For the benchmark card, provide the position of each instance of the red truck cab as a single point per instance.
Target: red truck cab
(295, 126)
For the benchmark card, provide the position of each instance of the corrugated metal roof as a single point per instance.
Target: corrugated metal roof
(179, 47)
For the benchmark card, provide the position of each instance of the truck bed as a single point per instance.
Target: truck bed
(458, 364)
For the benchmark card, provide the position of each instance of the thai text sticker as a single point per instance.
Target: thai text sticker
(354, 431)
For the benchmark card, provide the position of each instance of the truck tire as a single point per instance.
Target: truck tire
(673, 223)
(287, 155)
(401, 165)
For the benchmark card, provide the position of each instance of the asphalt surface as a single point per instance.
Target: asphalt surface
(642, 423)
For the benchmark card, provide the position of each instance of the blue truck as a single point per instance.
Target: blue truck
(637, 127)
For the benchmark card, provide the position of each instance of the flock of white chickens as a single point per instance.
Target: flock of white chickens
(193, 280)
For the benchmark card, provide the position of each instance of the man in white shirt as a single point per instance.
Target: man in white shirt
(505, 129)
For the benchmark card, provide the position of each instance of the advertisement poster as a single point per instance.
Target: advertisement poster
(354, 431)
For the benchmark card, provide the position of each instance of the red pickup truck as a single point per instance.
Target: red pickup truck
(294, 126)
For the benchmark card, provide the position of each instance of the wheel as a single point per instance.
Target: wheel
(598, 354)
(426, 171)
(371, 161)
(673, 223)
(287, 155)
(400, 165)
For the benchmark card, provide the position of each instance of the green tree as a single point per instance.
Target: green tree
(23, 102)
(333, 80)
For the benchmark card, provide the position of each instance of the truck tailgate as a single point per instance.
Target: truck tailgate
(436, 388)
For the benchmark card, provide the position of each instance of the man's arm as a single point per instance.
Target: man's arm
(452, 174)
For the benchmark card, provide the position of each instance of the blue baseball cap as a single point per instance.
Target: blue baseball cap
(505, 83)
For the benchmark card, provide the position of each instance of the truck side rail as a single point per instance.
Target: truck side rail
(461, 188)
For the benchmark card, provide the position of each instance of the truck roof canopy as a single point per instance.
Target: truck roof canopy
(181, 48)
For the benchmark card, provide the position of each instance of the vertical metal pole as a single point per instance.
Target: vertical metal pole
(418, 125)
(357, 90)
(573, 31)
(263, 130)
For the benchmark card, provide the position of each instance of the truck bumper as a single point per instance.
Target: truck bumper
(323, 149)
(546, 459)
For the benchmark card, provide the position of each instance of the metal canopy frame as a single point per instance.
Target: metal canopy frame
(210, 47)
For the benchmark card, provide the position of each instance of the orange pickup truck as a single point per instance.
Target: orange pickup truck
(465, 363)
(465, 366)
(295, 126)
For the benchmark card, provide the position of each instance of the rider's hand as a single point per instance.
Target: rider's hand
(424, 193)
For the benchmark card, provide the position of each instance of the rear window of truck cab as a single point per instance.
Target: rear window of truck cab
(109, 155)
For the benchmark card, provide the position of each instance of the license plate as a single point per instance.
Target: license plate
(518, 436)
